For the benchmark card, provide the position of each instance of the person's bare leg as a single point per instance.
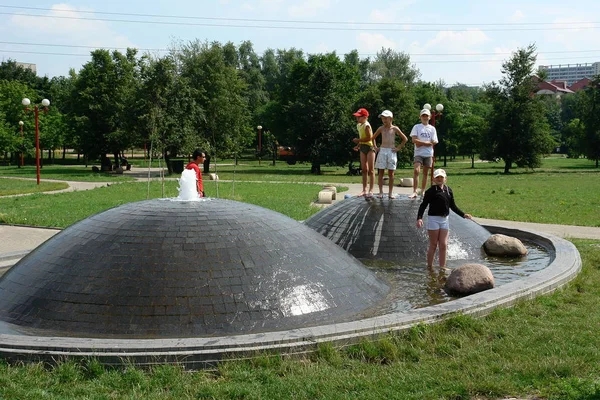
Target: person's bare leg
(391, 183)
(363, 166)
(371, 167)
(424, 183)
(443, 245)
(380, 173)
(433, 242)
(416, 172)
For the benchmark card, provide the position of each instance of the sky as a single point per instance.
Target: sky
(456, 42)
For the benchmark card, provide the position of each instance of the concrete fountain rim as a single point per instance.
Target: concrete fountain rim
(207, 351)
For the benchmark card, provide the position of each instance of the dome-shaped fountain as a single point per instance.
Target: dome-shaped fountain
(198, 281)
(164, 268)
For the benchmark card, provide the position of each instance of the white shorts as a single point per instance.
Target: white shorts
(386, 159)
(435, 223)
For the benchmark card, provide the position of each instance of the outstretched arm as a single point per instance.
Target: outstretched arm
(377, 133)
(403, 137)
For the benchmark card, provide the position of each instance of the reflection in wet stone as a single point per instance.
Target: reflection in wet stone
(385, 230)
(383, 235)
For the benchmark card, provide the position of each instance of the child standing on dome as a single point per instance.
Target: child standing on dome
(387, 156)
(440, 199)
(367, 150)
(424, 136)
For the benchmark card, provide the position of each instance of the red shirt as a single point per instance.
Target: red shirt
(196, 168)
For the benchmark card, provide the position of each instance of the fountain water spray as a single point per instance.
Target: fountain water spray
(188, 185)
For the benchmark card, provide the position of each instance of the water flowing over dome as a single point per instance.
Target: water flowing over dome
(163, 268)
(386, 230)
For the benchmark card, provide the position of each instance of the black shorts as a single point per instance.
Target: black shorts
(365, 148)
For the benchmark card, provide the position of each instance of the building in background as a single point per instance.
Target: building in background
(559, 88)
(32, 67)
(570, 72)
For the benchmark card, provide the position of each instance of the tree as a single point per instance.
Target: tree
(218, 90)
(395, 65)
(9, 141)
(168, 111)
(11, 112)
(11, 71)
(466, 124)
(573, 138)
(104, 95)
(591, 120)
(518, 131)
(319, 108)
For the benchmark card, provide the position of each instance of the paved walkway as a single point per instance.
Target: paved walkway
(18, 240)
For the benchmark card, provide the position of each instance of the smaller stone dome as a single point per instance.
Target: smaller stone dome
(385, 230)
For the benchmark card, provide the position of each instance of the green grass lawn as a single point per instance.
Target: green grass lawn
(548, 347)
(63, 209)
(20, 186)
(63, 172)
(564, 191)
(554, 198)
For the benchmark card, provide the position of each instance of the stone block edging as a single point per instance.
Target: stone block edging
(205, 352)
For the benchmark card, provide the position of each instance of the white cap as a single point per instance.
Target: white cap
(426, 112)
(386, 113)
(439, 172)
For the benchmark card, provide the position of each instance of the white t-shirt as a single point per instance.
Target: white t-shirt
(425, 133)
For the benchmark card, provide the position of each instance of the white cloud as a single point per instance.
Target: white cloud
(321, 48)
(393, 13)
(247, 7)
(381, 16)
(517, 16)
(271, 5)
(452, 56)
(309, 8)
(373, 42)
(458, 42)
(79, 31)
(581, 37)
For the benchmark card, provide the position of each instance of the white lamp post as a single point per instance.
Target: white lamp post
(259, 127)
(21, 123)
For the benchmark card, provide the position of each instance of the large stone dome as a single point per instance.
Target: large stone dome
(163, 268)
(381, 229)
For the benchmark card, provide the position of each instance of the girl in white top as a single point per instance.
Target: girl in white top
(424, 136)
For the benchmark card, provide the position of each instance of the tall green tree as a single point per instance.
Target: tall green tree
(168, 111)
(11, 71)
(467, 123)
(218, 90)
(518, 130)
(319, 109)
(11, 112)
(104, 97)
(591, 120)
(395, 65)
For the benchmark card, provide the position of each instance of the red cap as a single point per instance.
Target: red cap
(362, 112)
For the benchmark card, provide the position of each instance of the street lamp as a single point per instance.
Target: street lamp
(45, 103)
(21, 123)
(259, 127)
